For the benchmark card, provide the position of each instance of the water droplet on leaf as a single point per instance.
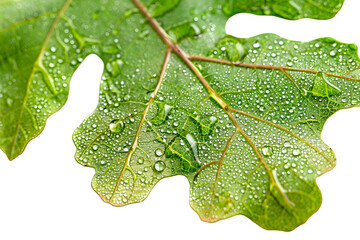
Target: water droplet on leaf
(267, 151)
(158, 152)
(323, 88)
(193, 146)
(296, 152)
(159, 166)
(117, 126)
(140, 160)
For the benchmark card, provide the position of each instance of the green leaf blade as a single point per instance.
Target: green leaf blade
(23, 115)
(323, 9)
(237, 117)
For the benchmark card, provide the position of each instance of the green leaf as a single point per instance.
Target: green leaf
(44, 41)
(240, 118)
(296, 9)
(321, 9)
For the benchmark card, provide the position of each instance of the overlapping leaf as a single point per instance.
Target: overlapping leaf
(241, 118)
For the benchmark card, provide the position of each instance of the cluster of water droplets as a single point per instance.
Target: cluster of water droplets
(185, 131)
(285, 115)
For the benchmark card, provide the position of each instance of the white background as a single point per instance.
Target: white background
(45, 194)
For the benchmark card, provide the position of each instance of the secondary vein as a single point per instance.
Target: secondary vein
(135, 142)
(258, 66)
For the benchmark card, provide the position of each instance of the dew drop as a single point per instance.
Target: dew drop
(213, 119)
(116, 126)
(193, 145)
(256, 45)
(167, 109)
(127, 97)
(140, 160)
(9, 102)
(296, 152)
(159, 166)
(230, 48)
(158, 152)
(267, 151)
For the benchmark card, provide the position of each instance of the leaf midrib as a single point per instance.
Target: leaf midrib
(173, 47)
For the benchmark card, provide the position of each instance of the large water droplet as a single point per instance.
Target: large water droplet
(158, 152)
(256, 45)
(296, 152)
(117, 126)
(159, 166)
(162, 113)
(193, 145)
(140, 160)
(323, 88)
(183, 31)
(9, 102)
(267, 151)
(167, 109)
(229, 48)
